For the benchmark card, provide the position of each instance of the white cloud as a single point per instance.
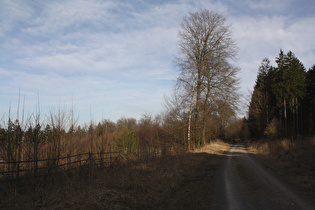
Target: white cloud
(268, 5)
(116, 57)
(263, 37)
(13, 13)
(299, 39)
(58, 16)
(103, 53)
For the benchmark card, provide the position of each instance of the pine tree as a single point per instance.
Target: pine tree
(260, 109)
(289, 89)
(277, 97)
(309, 103)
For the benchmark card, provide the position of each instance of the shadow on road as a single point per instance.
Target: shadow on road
(242, 183)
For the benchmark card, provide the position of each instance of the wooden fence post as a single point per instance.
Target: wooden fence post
(110, 156)
(12, 169)
(18, 173)
(68, 167)
(101, 155)
(80, 160)
(12, 172)
(35, 167)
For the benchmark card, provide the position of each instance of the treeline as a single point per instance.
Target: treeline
(283, 101)
(150, 136)
(38, 140)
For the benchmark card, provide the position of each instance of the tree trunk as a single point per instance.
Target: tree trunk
(189, 125)
(285, 118)
(199, 83)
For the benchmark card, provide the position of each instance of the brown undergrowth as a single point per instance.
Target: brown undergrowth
(293, 161)
(147, 183)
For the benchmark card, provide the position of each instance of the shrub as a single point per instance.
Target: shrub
(272, 130)
(126, 140)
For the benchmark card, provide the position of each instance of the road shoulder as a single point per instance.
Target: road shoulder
(295, 166)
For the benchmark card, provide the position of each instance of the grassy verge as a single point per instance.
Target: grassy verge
(151, 183)
(293, 161)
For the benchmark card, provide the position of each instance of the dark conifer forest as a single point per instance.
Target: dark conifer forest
(283, 100)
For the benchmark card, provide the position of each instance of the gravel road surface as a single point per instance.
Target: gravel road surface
(242, 183)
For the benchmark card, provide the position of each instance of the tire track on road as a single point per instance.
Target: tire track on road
(242, 183)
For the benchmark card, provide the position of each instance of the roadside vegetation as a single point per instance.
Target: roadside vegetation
(293, 161)
(152, 182)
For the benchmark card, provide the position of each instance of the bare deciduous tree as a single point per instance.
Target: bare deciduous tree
(207, 75)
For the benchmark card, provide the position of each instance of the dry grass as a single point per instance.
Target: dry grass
(294, 161)
(151, 183)
(215, 147)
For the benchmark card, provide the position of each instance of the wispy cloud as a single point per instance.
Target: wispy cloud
(264, 37)
(115, 57)
(268, 5)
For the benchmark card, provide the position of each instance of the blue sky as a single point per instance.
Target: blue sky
(114, 59)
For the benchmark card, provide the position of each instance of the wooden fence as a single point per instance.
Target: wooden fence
(16, 170)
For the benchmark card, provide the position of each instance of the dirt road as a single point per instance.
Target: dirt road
(242, 183)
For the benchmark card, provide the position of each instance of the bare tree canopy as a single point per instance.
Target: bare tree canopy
(208, 81)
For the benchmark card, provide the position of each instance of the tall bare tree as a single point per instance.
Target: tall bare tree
(207, 77)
